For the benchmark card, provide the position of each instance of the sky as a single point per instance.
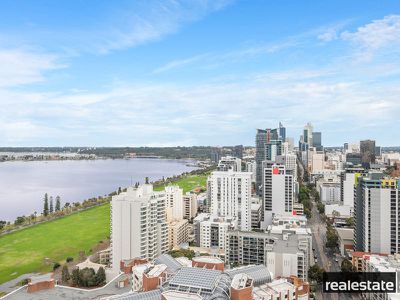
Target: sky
(197, 72)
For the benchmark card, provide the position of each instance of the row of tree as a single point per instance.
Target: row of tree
(50, 208)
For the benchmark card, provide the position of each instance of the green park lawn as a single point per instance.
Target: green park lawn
(25, 251)
(188, 183)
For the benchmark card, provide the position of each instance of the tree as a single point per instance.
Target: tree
(87, 277)
(65, 276)
(46, 205)
(316, 273)
(347, 266)
(75, 277)
(119, 190)
(146, 180)
(19, 220)
(350, 222)
(331, 237)
(58, 203)
(100, 276)
(2, 224)
(321, 208)
(51, 205)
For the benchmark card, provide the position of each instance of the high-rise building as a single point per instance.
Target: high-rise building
(189, 206)
(308, 134)
(317, 140)
(230, 163)
(273, 148)
(278, 191)
(138, 225)
(230, 194)
(367, 150)
(174, 202)
(263, 137)
(282, 132)
(376, 214)
(347, 182)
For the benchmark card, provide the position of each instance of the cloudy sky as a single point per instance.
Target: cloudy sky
(131, 73)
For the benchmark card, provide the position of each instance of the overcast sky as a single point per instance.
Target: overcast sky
(166, 73)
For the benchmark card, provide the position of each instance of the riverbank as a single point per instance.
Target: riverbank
(37, 248)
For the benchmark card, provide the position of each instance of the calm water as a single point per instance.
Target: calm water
(23, 184)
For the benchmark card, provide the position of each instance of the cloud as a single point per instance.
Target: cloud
(213, 60)
(20, 67)
(378, 35)
(151, 23)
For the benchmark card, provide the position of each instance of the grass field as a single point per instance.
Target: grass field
(24, 251)
(188, 183)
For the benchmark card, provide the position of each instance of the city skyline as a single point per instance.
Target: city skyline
(196, 73)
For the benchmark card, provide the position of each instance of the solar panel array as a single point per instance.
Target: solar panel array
(196, 277)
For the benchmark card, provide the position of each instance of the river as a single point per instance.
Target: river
(24, 183)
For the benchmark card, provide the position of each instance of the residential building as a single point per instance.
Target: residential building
(138, 225)
(278, 191)
(178, 233)
(329, 192)
(190, 206)
(256, 213)
(347, 182)
(230, 163)
(213, 232)
(284, 254)
(251, 167)
(230, 196)
(174, 202)
(376, 214)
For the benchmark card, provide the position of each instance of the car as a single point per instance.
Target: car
(313, 249)
(336, 260)
(315, 257)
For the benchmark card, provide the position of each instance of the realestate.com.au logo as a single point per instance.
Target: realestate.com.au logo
(360, 282)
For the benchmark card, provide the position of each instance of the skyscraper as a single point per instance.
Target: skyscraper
(367, 150)
(317, 140)
(376, 214)
(263, 137)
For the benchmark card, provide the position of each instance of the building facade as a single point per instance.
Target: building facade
(230, 196)
(376, 214)
(278, 191)
(138, 225)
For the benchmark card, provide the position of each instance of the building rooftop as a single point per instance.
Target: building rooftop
(197, 278)
(241, 281)
(207, 259)
(259, 273)
(345, 233)
(41, 278)
(172, 264)
(177, 295)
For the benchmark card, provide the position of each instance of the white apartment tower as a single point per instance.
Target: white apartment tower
(278, 191)
(230, 196)
(376, 214)
(138, 225)
(174, 202)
